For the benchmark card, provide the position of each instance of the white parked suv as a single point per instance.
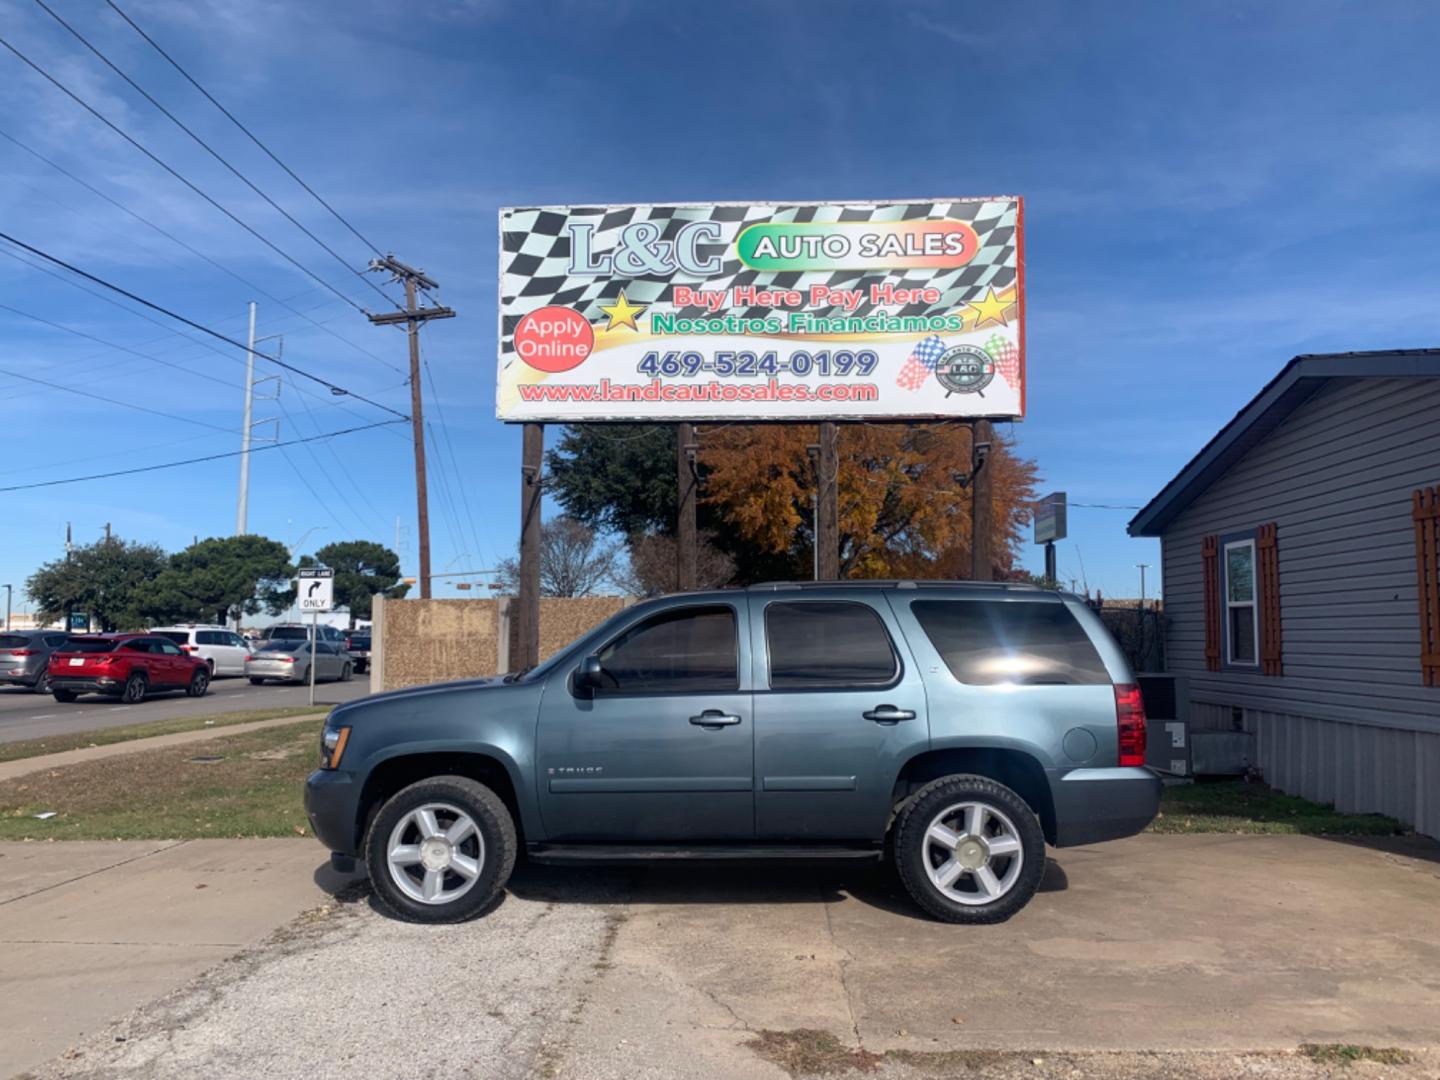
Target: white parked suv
(224, 650)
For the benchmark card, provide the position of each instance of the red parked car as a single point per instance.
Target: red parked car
(125, 666)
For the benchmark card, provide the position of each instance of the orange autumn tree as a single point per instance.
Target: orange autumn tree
(903, 510)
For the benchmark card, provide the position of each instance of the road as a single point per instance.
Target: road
(24, 715)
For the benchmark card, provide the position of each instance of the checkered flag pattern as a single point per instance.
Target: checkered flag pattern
(1006, 356)
(920, 363)
(535, 258)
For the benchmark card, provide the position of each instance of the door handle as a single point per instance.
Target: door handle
(888, 714)
(714, 718)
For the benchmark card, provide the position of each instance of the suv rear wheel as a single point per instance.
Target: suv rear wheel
(440, 850)
(969, 850)
(135, 689)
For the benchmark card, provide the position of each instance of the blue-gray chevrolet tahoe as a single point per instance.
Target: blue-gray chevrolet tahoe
(954, 727)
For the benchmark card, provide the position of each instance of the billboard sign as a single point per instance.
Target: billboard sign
(793, 311)
(1050, 518)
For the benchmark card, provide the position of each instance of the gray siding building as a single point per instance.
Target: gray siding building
(1301, 571)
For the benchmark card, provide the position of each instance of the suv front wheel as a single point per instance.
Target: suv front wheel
(969, 850)
(441, 850)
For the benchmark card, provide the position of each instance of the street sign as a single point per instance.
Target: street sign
(315, 589)
(1050, 518)
(79, 621)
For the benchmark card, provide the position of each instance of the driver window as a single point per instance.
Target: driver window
(681, 651)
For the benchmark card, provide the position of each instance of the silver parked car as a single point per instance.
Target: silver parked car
(25, 657)
(289, 661)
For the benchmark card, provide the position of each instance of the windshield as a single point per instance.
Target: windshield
(601, 632)
(288, 633)
(91, 645)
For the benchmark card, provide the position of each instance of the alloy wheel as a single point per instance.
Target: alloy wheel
(435, 853)
(973, 853)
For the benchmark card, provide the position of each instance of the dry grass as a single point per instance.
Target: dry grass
(1349, 1054)
(255, 789)
(54, 744)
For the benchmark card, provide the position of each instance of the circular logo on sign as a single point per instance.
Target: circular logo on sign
(965, 369)
(554, 339)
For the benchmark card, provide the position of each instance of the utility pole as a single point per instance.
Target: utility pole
(528, 601)
(69, 545)
(107, 532)
(7, 607)
(243, 504)
(685, 534)
(413, 317)
(1142, 566)
(827, 493)
(982, 506)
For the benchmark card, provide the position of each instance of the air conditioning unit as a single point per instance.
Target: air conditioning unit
(1167, 722)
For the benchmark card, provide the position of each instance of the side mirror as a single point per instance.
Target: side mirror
(588, 676)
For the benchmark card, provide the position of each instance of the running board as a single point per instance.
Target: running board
(587, 853)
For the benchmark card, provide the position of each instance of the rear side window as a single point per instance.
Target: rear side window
(180, 637)
(210, 637)
(13, 641)
(140, 645)
(821, 643)
(984, 642)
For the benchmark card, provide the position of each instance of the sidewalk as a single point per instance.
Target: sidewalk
(91, 930)
(9, 770)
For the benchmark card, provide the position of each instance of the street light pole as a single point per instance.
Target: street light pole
(7, 607)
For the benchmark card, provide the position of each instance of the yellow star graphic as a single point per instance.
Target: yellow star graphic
(992, 308)
(622, 313)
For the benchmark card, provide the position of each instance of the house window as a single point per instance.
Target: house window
(1242, 624)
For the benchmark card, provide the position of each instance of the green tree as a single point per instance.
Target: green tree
(103, 579)
(362, 569)
(218, 579)
(618, 478)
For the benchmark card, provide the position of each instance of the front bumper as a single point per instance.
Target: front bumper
(101, 684)
(331, 798)
(1093, 805)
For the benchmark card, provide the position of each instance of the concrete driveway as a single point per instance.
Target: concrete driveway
(1203, 945)
(91, 930)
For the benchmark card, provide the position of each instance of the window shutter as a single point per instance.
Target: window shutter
(1426, 513)
(1210, 553)
(1267, 574)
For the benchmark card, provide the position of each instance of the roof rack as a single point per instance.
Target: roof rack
(1006, 586)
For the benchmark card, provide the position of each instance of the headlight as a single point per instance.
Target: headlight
(332, 746)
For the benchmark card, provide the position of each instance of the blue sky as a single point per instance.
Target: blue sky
(1211, 189)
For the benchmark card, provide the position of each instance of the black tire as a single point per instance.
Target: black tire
(199, 683)
(42, 684)
(496, 829)
(257, 682)
(345, 673)
(211, 665)
(64, 696)
(136, 687)
(912, 848)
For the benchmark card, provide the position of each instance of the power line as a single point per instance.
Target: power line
(194, 461)
(252, 136)
(210, 149)
(173, 172)
(197, 253)
(107, 399)
(450, 448)
(332, 387)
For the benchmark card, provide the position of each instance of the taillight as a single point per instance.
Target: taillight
(189, 648)
(21, 652)
(1130, 723)
(347, 644)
